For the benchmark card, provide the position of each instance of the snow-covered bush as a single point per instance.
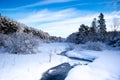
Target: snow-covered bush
(97, 46)
(20, 43)
(115, 43)
(2, 38)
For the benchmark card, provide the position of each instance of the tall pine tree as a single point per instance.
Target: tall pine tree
(102, 27)
(101, 23)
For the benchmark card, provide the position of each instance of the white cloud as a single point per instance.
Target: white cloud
(65, 27)
(40, 3)
(44, 2)
(64, 22)
(46, 16)
(54, 1)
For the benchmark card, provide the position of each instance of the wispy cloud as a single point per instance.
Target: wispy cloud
(50, 16)
(58, 22)
(53, 1)
(105, 3)
(116, 4)
(64, 22)
(65, 27)
(40, 3)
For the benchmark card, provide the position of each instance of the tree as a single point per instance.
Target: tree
(92, 36)
(102, 27)
(101, 23)
(116, 24)
(94, 26)
(84, 29)
(82, 34)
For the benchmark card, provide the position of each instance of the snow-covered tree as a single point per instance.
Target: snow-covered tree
(83, 28)
(20, 43)
(73, 37)
(102, 27)
(101, 23)
(94, 28)
(8, 26)
(83, 33)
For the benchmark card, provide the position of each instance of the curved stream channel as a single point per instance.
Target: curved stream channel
(63, 53)
(60, 72)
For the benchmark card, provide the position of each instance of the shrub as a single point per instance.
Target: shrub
(20, 43)
(97, 46)
(2, 38)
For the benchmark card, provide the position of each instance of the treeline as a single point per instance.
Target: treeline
(18, 38)
(9, 26)
(94, 33)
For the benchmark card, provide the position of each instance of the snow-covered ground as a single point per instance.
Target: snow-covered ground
(31, 66)
(105, 67)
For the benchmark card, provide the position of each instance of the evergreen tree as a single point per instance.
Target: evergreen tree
(102, 27)
(93, 28)
(93, 32)
(83, 28)
(101, 23)
(83, 33)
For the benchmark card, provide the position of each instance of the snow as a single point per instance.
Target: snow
(105, 67)
(80, 54)
(32, 66)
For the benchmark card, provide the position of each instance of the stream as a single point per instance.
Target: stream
(60, 72)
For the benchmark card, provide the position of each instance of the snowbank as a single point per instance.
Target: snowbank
(32, 66)
(105, 67)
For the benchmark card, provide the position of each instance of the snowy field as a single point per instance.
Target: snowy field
(31, 66)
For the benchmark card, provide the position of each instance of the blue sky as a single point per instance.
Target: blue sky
(60, 17)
